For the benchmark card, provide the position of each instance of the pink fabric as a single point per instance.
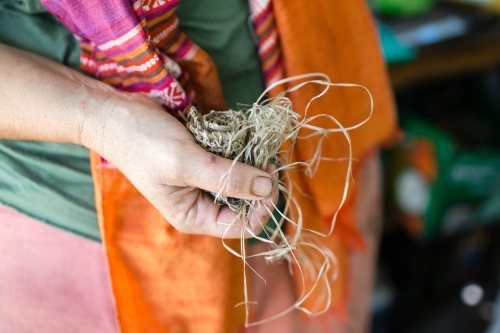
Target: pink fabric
(131, 44)
(51, 281)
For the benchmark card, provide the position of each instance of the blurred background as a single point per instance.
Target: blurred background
(439, 265)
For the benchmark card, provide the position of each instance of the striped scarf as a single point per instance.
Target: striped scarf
(134, 45)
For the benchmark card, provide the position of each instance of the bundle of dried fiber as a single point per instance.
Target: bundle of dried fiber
(255, 137)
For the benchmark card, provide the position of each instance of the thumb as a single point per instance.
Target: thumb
(232, 179)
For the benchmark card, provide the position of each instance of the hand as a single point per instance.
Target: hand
(45, 101)
(161, 158)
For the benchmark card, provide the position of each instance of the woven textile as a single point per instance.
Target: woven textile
(129, 45)
(267, 39)
(132, 45)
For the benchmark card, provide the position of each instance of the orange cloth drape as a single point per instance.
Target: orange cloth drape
(164, 281)
(337, 38)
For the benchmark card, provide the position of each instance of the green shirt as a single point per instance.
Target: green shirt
(51, 182)
(221, 28)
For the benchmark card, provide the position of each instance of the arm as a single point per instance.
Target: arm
(45, 101)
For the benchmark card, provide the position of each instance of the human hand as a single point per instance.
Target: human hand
(162, 159)
(153, 149)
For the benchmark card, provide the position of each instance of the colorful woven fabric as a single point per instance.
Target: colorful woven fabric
(134, 46)
(267, 38)
(131, 45)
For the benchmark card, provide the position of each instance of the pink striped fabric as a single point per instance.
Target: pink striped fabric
(268, 40)
(133, 45)
(130, 45)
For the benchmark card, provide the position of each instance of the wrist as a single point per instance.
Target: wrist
(119, 123)
(97, 114)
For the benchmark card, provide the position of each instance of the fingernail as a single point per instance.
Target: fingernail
(262, 187)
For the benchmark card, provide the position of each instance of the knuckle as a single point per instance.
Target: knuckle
(176, 166)
(180, 222)
(177, 214)
(234, 186)
(257, 228)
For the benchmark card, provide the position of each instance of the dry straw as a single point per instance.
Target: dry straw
(256, 137)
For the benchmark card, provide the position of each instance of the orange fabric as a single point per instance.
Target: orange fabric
(337, 38)
(165, 281)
